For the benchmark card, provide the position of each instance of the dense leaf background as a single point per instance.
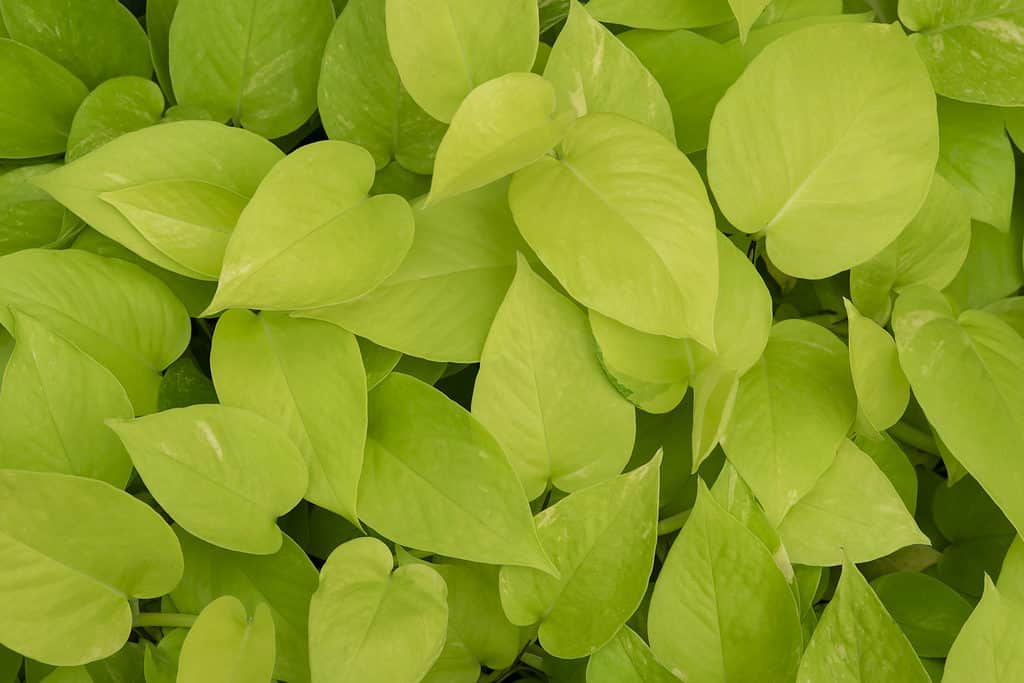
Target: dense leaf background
(465, 341)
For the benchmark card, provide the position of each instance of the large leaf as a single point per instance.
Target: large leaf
(990, 645)
(623, 221)
(311, 237)
(626, 659)
(285, 581)
(53, 402)
(857, 641)
(307, 376)
(224, 474)
(226, 644)
(603, 570)
(777, 450)
(76, 551)
(28, 216)
(797, 145)
(441, 301)
(115, 107)
(660, 14)
(251, 61)
(501, 126)
(718, 567)
(445, 48)
(852, 509)
(882, 389)
(967, 373)
(436, 480)
(974, 49)
(363, 615)
(362, 99)
(929, 251)
(115, 312)
(928, 611)
(38, 99)
(977, 158)
(543, 395)
(230, 160)
(594, 72)
(94, 40)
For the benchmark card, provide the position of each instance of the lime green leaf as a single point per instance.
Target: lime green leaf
(882, 389)
(28, 216)
(604, 570)
(113, 311)
(441, 301)
(718, 567)
(94, 40)
(76, 541)
(224, 474)
(194, 294)
(161, 662)
(362, 99)
(977, 158)
(929, 251)
(714, 398)
(1011, 575)
(502, 125)
(990, 646)
(115, 107)
(852, 509)
(377, 361)
(594, 72)
(662, 15)
(857, 641)
(894, 463)
(1015, 125)
(198, 151)
(779, 167)
(992, 269)
(75, 674)
(445, 48)
(159, 14)
(543, 395)
(395, 179)
(285, 581)
(436, 480)
(974, 49)
(455, 664)
(1010, 311)
(775, 448)
(630, 263)
(253, 62)
(39, 98)
(626, 659)
(307, 376)
(426, 371)
(929, 612)
(968, 375)
(310, 236)
(226, 644)
(53, 402)
(362, 615)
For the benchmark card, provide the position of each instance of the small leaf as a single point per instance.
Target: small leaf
(857, 641)
(28, 216)
(662, 15)
(992, 269)
(592, 72)
(226, 644)
(542, 394)
(53, 402)
(436, 480)
(718, 567)
(502, 125)
(115, 107)
(629, 263)
(882, 389)
(307, 377)
(161, 662)
(445, 48)
(362, 614)
(626, 659)
(224, 474)
(323, 245)
(76, 541)
(251, 61)
(929, 612)
(603, 571)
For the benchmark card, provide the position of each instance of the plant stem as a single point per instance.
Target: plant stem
(914, 437)
(673, 523)
(163, 620)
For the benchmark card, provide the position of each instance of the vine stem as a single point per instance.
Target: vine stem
(163, 620)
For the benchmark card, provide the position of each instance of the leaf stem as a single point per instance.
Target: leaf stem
(673, 523)
(913, 436)
(163, 620)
